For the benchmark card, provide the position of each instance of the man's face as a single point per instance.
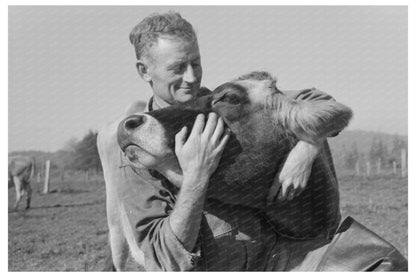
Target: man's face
(175, 69)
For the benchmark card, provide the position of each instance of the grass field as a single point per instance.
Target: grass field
(66, 230)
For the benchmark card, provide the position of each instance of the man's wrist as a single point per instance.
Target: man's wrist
(195, 181)
(312, 148)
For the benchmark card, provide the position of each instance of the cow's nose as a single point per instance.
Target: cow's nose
(127, 128)
(133, 121)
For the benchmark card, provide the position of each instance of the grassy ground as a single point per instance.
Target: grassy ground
(380, 204)
(66, 230)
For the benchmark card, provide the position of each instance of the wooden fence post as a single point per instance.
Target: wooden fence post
(379, 166)
(47, 169)
(403, 164)
(368, 169)
(357, 169)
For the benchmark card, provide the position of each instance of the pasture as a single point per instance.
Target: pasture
(66, 230)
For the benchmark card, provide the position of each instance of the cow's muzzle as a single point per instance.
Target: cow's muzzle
(126, 128)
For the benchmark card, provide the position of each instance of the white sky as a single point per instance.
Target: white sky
(72, 68)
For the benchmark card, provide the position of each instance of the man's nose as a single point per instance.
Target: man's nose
(126, 129)
(189, 74)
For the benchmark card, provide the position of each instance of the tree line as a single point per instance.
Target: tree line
(379, 152)
(81, 154)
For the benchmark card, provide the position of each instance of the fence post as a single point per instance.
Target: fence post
(47, 169)
(394, 167)
(368, 169)
(38, 179)
(357, 169)
(379, 166)
(403, 164)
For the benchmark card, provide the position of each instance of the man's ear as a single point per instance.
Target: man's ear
(143, 70)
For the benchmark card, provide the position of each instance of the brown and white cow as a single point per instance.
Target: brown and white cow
(21, 170)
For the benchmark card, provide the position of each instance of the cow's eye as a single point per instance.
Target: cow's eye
(232, 99)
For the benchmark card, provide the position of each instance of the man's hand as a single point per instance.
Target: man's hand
(292, 179)
(198, 157)
(200, 154)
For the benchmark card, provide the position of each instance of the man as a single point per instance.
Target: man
(172, 227)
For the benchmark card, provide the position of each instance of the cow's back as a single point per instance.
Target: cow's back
(20, 166)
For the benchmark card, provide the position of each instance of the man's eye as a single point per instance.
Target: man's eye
(179, 68)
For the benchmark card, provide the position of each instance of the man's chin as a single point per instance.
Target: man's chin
(185, 96)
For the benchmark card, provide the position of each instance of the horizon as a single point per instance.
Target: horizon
(345, 130)
(72, 68)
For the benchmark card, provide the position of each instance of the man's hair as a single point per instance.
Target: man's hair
(145, 34)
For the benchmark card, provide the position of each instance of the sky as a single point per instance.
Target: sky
(72, 69)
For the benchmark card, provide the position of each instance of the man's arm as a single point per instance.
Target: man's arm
(198, 158)
(312, 104)
(145, 210)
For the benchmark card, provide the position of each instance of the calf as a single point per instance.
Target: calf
(21, 170)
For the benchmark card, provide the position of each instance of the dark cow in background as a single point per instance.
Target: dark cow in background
(21, 170)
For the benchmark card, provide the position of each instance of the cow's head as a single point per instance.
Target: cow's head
(148, 138)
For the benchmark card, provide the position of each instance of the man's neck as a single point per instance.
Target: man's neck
(159, 103)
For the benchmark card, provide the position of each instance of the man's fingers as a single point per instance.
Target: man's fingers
(180, 138)
(286, 185)
(219, 129)
(291, 193)
(211, 124)
(280, 196)
(274, 192)
(198, 125)
(224, 140)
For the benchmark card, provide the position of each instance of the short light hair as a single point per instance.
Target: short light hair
(145, 34)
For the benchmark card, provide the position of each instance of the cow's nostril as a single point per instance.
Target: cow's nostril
(133, 122)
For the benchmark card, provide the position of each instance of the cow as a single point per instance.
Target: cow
(21, 170)
(257, 114)
(264, 126)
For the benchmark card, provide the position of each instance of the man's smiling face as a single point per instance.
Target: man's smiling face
(174, 67)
